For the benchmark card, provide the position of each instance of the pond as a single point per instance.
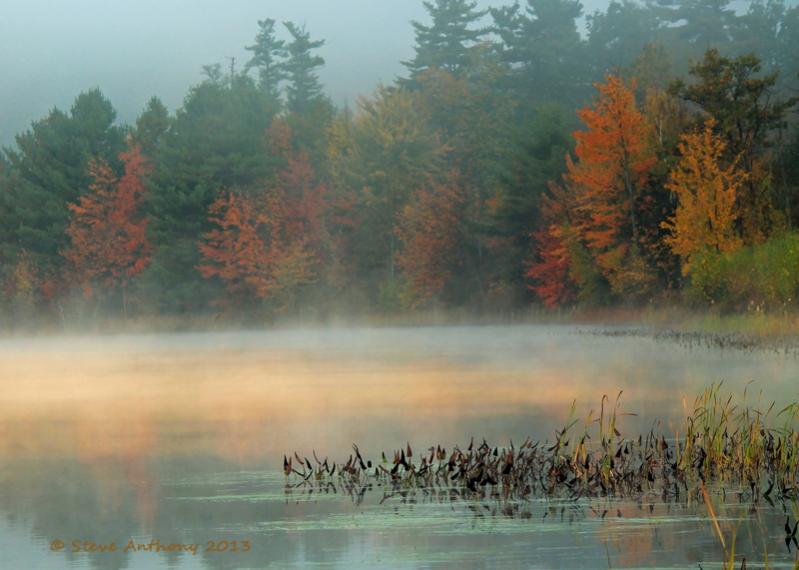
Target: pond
(166, 450)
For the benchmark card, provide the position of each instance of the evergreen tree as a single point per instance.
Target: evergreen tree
(741, 100)
(151, 126)
(446, 43)
(689, 27)
(617, 35)
(213, 73)
(216, 142)
(47, 171)
(303, 88)
(788, 46)
(539, 156)
(758, 31)
(268, 55)
(788, 179)
(543, 47)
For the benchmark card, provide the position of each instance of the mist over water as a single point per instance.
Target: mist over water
(205, 167)
(180, 437)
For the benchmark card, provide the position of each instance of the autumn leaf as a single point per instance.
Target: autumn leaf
(707, 194)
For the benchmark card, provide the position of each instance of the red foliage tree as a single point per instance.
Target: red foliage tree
(108, 230)
(590, 231)
(550, 273)
(614, 157)
(430, 229)
(268, 243)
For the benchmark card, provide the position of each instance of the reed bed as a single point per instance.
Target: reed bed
(727, 447)
(732, 445)
(786, 344)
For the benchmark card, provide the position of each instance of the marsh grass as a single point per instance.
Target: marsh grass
(723, 441)
(725, 444)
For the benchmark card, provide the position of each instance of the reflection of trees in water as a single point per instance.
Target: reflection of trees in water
(61, 502)
(200, 499)
(654, 527)
(102, 502)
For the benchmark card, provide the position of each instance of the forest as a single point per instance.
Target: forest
(647, 154)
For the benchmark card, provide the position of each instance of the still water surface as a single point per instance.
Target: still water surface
(179, 439)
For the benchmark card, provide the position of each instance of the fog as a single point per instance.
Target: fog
(180, 438)
(192, 290)
(50, 51)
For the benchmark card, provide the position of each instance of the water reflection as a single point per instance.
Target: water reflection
(178, 437)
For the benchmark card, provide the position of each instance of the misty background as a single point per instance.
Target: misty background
(51, 50)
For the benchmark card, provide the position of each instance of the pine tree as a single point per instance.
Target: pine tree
(216, 141)
(697, 22)
(447, 41)
(151, 126)
(618, 34)
(47, 171)
(303, 88)
(746, 113)
(268, 55)
(541, 44)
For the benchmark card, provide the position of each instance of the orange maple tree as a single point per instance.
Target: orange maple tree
(707, 193)
(270, 241)
(613, 158)
(589, 228)
(429, 227)
(107, 230)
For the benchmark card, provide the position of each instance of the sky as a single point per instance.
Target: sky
(51, 50)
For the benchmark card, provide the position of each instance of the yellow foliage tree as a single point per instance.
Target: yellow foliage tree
(706, 214)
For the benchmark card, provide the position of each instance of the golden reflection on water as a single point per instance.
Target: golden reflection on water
(243, 404)
(250, 402)
(93, 433)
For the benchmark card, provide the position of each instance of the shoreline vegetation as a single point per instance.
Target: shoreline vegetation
(649, 164)
(728, 449)
(749, 446)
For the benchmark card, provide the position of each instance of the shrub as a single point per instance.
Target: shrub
(758, 277)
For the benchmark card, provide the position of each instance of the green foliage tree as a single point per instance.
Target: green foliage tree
(303, 88)
(788, 47)
(692, 25)
(151, 126)
(216, 141)
(268, 55)
(437, 186)
(448, 41)
(389, 152)
(542, 45)
(47, 171)
(758, 31)
(618, 34)
(741, 100)
(539, 156)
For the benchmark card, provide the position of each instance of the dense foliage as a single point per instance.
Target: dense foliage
(520, 161)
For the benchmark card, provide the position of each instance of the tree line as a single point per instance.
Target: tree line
(652, 158)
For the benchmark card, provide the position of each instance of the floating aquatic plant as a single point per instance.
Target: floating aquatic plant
(733, 445)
